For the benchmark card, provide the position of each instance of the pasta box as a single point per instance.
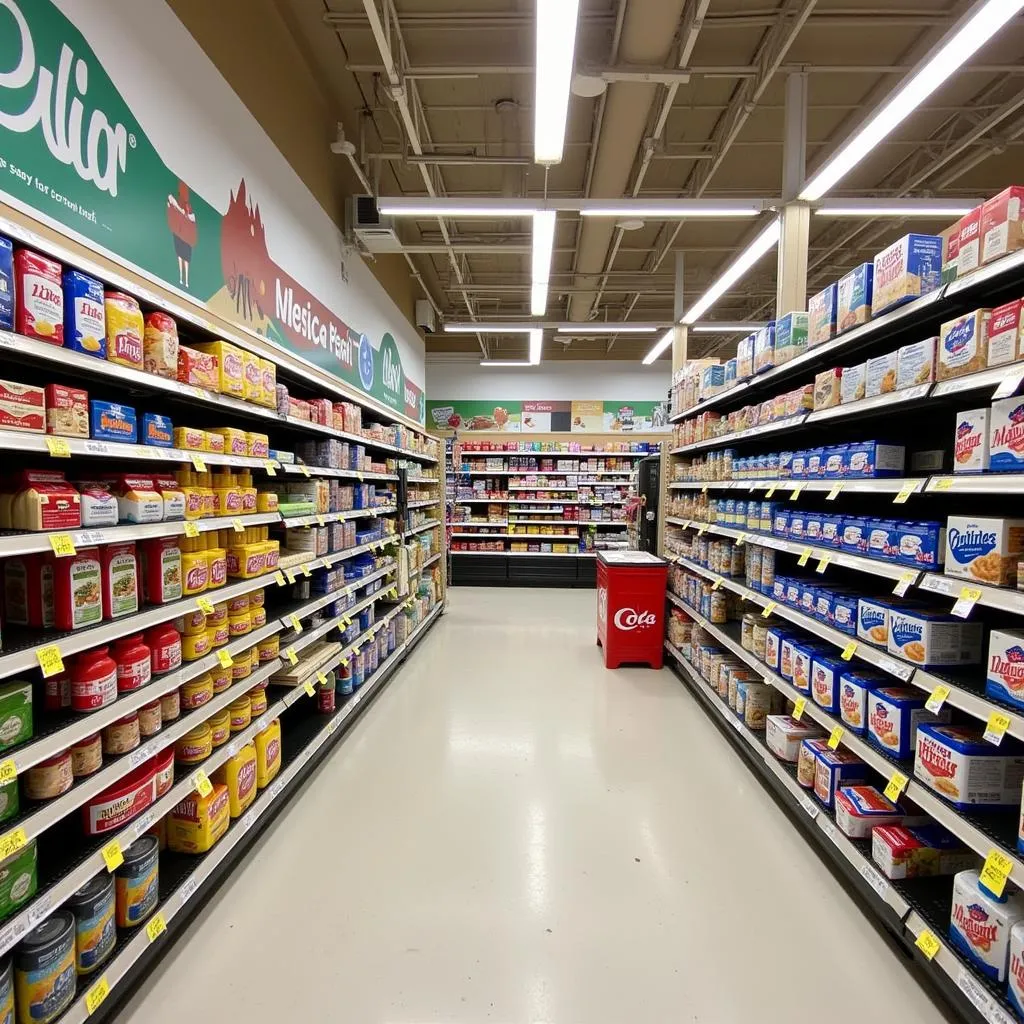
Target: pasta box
(853, 297)
(854, 687)
(825, 673)
(834, 769)
(1005, 675)
(22, 407)
(860, 808)
(157, 430)
(784, 734)
(894, 713)
(110, 421)
(921, 544)
(821, 315)
(958, 764)
(907, 269)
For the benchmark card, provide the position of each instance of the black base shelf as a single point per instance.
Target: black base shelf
(498, 570)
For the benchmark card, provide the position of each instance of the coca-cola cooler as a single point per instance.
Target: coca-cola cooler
(631, 607)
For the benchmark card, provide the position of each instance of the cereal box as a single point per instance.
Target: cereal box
(853, 298)
(969, 243)
(881, 375)
(963, 344)
(984, 549)
(1002, 229)
(784, 734)
(915, 363)
(970, 441)
(921, 545)
(1005, 669)
(854, 383)
(834, 769)
(909, 268)
(1005, 341)
(821, 316)
(919, 851)
(926, 637)
(764, 348)
(894, 714)
(958, 764)
(1006, 437)
(745, 357)
(859, 809)
(790, 337)
(854, 687)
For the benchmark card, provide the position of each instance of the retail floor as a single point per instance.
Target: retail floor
(513, 834)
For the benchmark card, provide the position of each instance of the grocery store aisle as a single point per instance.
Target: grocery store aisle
(513, 834)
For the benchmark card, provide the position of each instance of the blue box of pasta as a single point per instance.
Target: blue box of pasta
(109, 421)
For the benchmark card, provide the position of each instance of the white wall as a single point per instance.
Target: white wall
(615, 380)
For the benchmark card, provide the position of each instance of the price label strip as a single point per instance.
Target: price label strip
(321, 678)
(969, 597)
(292, 656)
(849, 650)
(308, 687)
(112, 855)
(904, 494)
(717, 584)
(224, 658)
(279, 578)
(205, 605)
(897, 783)
(8, 771)
(944, 483)
(769, 608)
(204, 787)
(795, 493)
(236, 525)
(805, 557)
(199, 463)
(191, 530)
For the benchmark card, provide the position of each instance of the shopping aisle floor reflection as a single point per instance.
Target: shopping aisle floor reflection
(513, 834)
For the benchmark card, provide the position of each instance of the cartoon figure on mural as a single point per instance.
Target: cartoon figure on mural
(181, 219)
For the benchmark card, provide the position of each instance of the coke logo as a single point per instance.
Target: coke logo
(629, 619)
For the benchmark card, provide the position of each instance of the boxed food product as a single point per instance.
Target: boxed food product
(125, 329)
(198, 368)
(963, 344)
(854, 383)
(1005, 668)
(881, 375)
(968, 255)
(894, 714)
(85, 323)
(1005, 340)
(790, 337)
(859, 809)
(67, 411)
(77, 590)
(827, 385)
(160, 345)
(921, 545)
(784, 734)
(873, 616)
(157, 430)
(970, 441)
(854, 687)
(230, 366)
(138, 500)
(957, 763)
(869, 459)
(110, 421)
(1006, 437)
(22, 407)
(745, 357)
(915, 363)
(15, 714)
(6, 284)
(918, 852)
(764, 348)
(1002, 229)
(39, 312)
(821, 316)
(234, 440)
(825, 673)
(18, 884)
(119, 573)
(984, 548)
(807, 761)
(195, 825)
(252, 376)
(905, 270)
(44, 500)
(834, 769)
(853, 297)
(268, 383)
(190, 439)
(950, 251)
(930, 637)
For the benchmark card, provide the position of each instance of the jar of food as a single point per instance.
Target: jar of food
(238, 605)
(191, 623)
(239, 625)
(268, 649)
(49, 778)
(747, 630)
(221, 678)
(121, 736)
(719, 612)
(44, 969)
(57, 694)
(257, 703)
(195, 647)
(150, 719)
(258, 617)
(194, 746)
(767, 570)
(95, 934)
(241, 713)
(256, 598)
(219, 616)
(737, 561)
(196, 692)
(220, 727)
(170, 707)
(218, 635)
(242, 668)
(87, 756)
(760, 638)
(93, 680)
(136, 882)
(165, 646)
(134, 663)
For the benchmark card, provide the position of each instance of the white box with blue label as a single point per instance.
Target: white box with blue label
(906, 270)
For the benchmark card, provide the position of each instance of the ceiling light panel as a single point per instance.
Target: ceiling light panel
(555, 57)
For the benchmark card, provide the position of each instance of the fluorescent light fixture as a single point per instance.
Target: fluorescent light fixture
(556, 55)
(536, 345)
(505, 362)
(710, 327)
(538, 298)
(896, 207)
(488, 328)
(543, 247)
(424, 206)
(663, 343)
(606, 328)
(764, 243)
(673, 209)
(974, 31)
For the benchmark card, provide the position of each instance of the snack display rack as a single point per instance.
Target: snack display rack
(714, 532)
(350, 573)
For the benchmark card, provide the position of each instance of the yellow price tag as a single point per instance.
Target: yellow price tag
(362, 478)
(191, 530)
(95, 996)
(928, 944)
(204, 787)
(996, 727)
(795, 493)
(306, 572)
(320, 521)
(205, 605)
(741, 540)
(236, 525)
(59, 448)
(50, 660)
(308, 686)
(834, 493)
(8, 771)
(901, 498)
(903, 584)
(305, 470)
(769, 608)
(823, 563)
(155, 927)
(321, 678)
(112, 855)
(12, 842)
(771, 490)
(943, 483)
(199, 463)
(849, 650)
(835, 737)
(805, 557)
(897, 783)
(63, 545)
(798, 707)
(296, 625)
(224, 658)
(290, 573)
(701, 529)
(717, 584)
(996, 871)
(279, 578)
(270, 467)
(292, 656)
(937, 699)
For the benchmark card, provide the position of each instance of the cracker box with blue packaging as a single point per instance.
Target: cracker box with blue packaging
(842, 610)
(109, 421)
(853, 298)
(774, 639)
(85, 328)
(764, 348)
(1015, 976)
(921, 545)
(960, 765)
(807, 760)
(834, 769)
(894, 714)
(931, 637)
(883, 538)
(854, 687)
(873, 619)
(1004, 678)
(833, 460)
(745, 357)
(808, 597)
(907, 269)
(157, 430)
(825, 673)
(730, 372)
(815, 463)
(872, 459)
(790, 337)
(854, 539)
(971, 441)
(980, 923)
(821, 316)
(804, 653)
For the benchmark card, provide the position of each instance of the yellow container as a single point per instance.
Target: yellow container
(193, 494)
(239, 625)
(193, 623)
(196, 692)
(213, 443)
(195, 647)
(220, 727)
(258, 444)
(268, 754)
(257, 703)
(216, 559)
(238, 775)
(195, 824)
(230, 366)
(240, 713)
(257, 598)
(125, 330)
(195, 568)
(250, 496)
(235, 442)
(247, 555)
(221, 679)
(205, 484)
(258, 617)
(253, 381)
(190, 439)
(268, 380)
(227, 494)
(218, 636)
(238, 605)
(266, 501)
(195, 746)
(243, 665)
(220, 614)
(269, 649)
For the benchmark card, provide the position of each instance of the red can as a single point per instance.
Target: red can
(133, 660)
(631, 607)
(93, 680)
(325, 700)
(165, 647)
(40, 294)
(57, 692)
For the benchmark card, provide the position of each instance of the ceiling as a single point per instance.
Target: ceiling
(714, 130)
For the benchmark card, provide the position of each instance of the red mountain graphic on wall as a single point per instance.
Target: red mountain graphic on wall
(248, 270)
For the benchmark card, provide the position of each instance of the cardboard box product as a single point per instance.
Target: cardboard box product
(950, 251)
(821, 315)
(963, 344)
(22, 407)
(859, 809)
(790, 337)
(853, 297)
(745, 357)
(894, 714)
(929, 637)
(969, 243)
(1005, 340)
(915, 363)
(1006, 436)
(827, 386)
(854, 383)
(919, 851)
(783, 736)
(1002, 227)
(984, 549)
(906, 270)
(764, 348)
(958, 764)
(971, 441)
(1004, 677)
(881, 375)
(67, 411)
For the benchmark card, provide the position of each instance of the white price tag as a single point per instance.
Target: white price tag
(145, 823)
(140, 754)
(11, 934)
(39, 910)
(903, 585)
(969, 597)
(875, 880)
(809, 806)
(188, 888)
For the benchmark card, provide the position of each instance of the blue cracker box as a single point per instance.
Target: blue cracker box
(854, 687)
(883, 539)
(798, 466)
(772, 465)
(853, 298)
(854, 538)
(6, 284)
(773, 645)
(730, 510)
(834, 769)
(815, 463)
(871, 459)
(780, 524)
(812, 527)
(713, 377)
(842, 611)
(109, 421)
(730, 371)
(822, 603)
(779, 585)
(808, 597)
(797, 525)
(908, 268)
(834, 461)
(825, 673)
(785, 465)
(894, 714)
(85, 321)
(157, 430)
(921, 545)
(794, 588)
(745, 357)
(767, 515)
(802, 654)
(821, 315)
(831, 530)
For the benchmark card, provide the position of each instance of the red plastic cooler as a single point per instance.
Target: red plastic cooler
(631, 607)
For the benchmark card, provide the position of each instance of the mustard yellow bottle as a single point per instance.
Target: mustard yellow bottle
(193, 494)
(266, 501)
(246, 556)
(250, 496)
(195, 567)
(271, 548)
(204, 481)
(216, 558)
(227, 495)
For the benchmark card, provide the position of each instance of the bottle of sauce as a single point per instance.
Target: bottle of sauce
(250, 496)
(195, 569)
(216, 558)
(134, 663)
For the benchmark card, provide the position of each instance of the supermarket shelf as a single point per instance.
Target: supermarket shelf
(337, 517)
(529, 554)
(344, 435)
(422, 480)
(743, 435)
(432, 559)
(977, 483)
(991, 597)
(429, 525)
(420, 504)
(516, 472)
(350, 474)
(544, 522)
(879, 403)
(583, 453)
(603, 501)
(541, 487)
(618, 523)
(875, 485)
(479, 536)
(710, 403)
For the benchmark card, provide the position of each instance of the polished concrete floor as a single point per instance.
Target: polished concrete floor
(513, 834)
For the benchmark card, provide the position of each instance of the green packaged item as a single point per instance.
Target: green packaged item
(9, 806)
(18, 879)
(15, 714)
